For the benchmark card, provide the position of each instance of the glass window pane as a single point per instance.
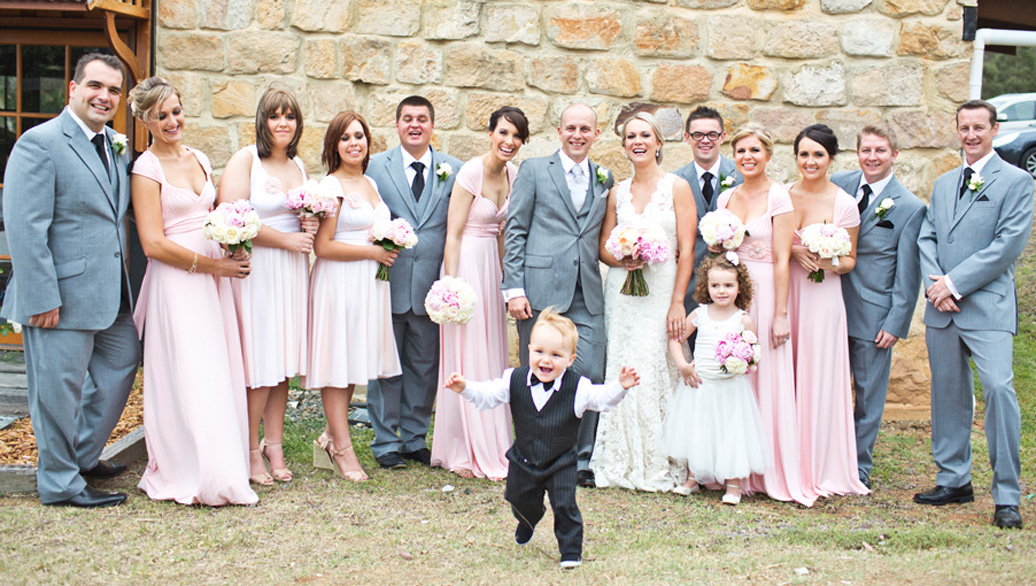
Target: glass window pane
(8, 77)
(43, 79)
(74, 53)
(7, 138)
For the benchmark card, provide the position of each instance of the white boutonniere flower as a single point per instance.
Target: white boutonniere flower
(119, 143)
(883, 208)
(725, 182)
(602, 175)
(443, 170)
(975, 183)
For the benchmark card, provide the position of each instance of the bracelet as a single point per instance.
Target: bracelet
(194, 265)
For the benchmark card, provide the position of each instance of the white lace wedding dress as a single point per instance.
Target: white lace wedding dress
(630, 447)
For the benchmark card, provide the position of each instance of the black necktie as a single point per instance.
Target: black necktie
(418, 185)
(866, 199)
(546, 385)
(706, 187)
(100, 145)
(968, 172)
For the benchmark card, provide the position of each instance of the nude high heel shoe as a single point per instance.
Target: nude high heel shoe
(321, 453)
(279, 474)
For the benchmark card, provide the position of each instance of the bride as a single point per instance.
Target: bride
(629, 452)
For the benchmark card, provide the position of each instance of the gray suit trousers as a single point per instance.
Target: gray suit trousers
(953, 408)
(870, 367)
(72, 420)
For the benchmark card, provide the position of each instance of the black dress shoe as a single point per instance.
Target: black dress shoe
(421, 456)
(585, 478)
(523, 534)
(104, 469)
(1007, 517)
(391, 460)
(865, 481)
(942, 495)
(90, 498)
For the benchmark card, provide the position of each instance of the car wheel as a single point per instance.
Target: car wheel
(1029, 161)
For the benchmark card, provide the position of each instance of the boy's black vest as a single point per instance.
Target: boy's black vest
(544, 438)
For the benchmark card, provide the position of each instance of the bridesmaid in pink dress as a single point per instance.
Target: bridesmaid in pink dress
(271, 306)
(766, 210)
(819, 335)
(467, 441)
(195, 420)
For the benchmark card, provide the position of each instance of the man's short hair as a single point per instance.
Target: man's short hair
(881, 130)
(703, 112)
(109, 60)
(416, 101)
(975, 105)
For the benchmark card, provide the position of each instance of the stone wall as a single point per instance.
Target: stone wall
(782, 63)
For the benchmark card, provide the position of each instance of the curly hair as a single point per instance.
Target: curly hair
(719, 261)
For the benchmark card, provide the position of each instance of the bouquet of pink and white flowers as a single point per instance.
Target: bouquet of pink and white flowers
(392, 235)
(310, 201)
(738, 352)
(723, 229)
(645, 242)
(450, 301)
(826, 241)
(233, 223)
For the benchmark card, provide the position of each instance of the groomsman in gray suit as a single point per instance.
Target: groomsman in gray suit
(415, 182)
(551, 245)
(976, 226)
(66, 191)
(709, 174)
(880, 293)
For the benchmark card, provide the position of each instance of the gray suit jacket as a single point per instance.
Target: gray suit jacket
(726, 169)
(976, 241)
(416, 268)
(65, 222)
(880, 293)
(545, 244)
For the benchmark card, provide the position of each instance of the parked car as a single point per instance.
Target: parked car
(1015, 111)
(1018, 148)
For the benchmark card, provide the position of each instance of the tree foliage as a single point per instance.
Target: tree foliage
(1009, 74)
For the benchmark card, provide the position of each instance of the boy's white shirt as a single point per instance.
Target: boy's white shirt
(589, 397)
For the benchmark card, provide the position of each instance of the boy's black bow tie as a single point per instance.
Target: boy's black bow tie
(546, 385)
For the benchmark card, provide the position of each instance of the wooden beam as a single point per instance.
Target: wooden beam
(122, 49)
(120, 8)
(50, 6)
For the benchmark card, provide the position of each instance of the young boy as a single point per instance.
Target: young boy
(547, 401)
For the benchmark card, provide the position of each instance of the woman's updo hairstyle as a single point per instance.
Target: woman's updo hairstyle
(148, 94)
(822, 134)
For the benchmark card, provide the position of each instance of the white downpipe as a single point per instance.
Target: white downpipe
(991, 36)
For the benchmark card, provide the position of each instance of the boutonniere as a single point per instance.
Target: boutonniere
(725, 182)
(883, 208)
(443, 170)
(602, 175)
(119, 142)
(975, 183)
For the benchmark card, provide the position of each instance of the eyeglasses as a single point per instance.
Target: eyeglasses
(709, 135)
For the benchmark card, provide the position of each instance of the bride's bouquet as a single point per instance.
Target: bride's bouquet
(311, 201)
(233, 223)
(392, 235)
(646, 242)
(450, 301)
(738, 352)
(826, 241)
(722, 229)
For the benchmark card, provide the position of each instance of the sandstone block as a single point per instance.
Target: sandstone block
(584, 26)
(869, 38)
(480, 106)
(816, 85)
(732, 37)
(705, 4)
(801, 39)
(668, 117)
(846, 123)
(180, 14)
(418, 63)
(513, 23)
(909, 395)
(683, 84)
(395, 18)
(889, 85)
(898, 8)
(366, 59)
(381, 109)
(784, 124)
(749, 82)
(322, 58)
(609, 154)
(193, 90)
(234, 98)
(191, 51)
(226, 14)
(278, 55)
(951, 81)
(666, 36)
(613, 77)
(321, 15)
(270, 14)
(214, 141)
(326, 99)
(245, 134)
(451, 19)
(554, 74)
(473, 65)
(785, 5)
(310, 146)
(924, 129)
(931, 42)
(466, 146)
(734, 115)
(843, 6)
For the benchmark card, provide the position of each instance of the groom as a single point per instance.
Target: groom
(415, 181)
(550, 252)
(977, 225)
(880, 293)
(65, 198)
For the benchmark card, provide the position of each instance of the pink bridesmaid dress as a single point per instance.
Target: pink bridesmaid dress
(466, 438)
(774, 382)
(195, 418)
(823, 400)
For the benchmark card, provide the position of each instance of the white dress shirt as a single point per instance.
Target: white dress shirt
(486, 395)
(409, 159)
(90, 134)
(715, 176)
(876, 188)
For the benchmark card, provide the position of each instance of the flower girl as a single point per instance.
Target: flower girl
(714, 423)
